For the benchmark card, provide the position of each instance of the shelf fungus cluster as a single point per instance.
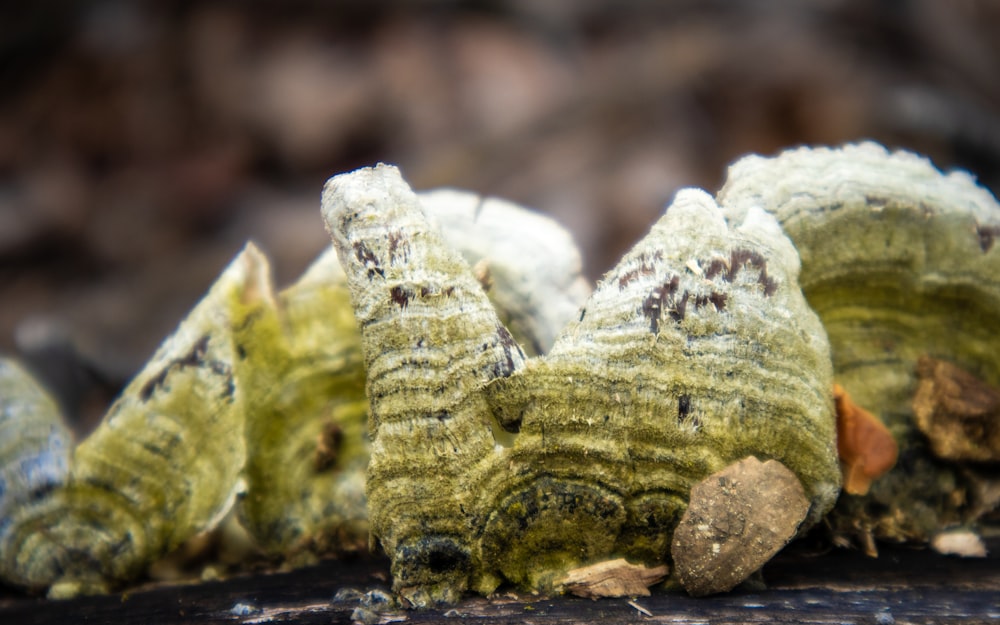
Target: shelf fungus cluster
(254, 407)
(697, 351)
(443, 379)
(900, 262)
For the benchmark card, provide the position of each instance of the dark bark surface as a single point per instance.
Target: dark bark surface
(901, 586)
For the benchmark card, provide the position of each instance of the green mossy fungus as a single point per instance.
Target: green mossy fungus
(697, 351)
(304, 375)
(898, 261)
(286, 435)
(35, 449)
(156, 471)
(301, 372)
(35, 444)
(431, 341)
(487, 466)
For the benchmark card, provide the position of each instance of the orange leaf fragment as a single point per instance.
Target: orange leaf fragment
(866, 447)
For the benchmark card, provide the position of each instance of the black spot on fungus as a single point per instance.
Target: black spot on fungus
(230, 391)
(162, 451)
(679, 308)
(196, 355)
(363, 254)
(400, 296)
(647, 266)
(718, 300)
(109, 487)
(716, 267)
(367, 258)
(439, 554)
(41, 492)
(328, 446)
(626, 278)
(193, 358)
(399, 247)
(876, 202)
(426, 291)
(683, 407)
(503, 369)
(504, 337)
(740, 258)
(769, 284)
(444, 560)
(987, 236)
(660, 299)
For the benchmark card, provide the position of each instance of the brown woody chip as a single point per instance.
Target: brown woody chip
(613, 578)
(738, 518)
(958, 412)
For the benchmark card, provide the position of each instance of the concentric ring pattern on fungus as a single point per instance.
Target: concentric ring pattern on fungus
(258, 399)
(493, 463)
(899, 261)
(696, 351)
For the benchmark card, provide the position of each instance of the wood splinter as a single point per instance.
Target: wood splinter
(613, 578)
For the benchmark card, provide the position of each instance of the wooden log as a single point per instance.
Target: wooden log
(901, 586)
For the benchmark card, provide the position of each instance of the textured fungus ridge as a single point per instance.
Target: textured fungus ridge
(154, 474)
(899, 261)
(432, 341)
(696, 351)
(258, 397)
(621, 415)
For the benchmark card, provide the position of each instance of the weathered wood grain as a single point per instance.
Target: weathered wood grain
(901, 586)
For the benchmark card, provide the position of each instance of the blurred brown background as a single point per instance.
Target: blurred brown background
(141, 143)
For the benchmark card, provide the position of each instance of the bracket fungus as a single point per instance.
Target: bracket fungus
(695, 352)
(251, 380)
(899, 261)
(163, 466)
(443, 378)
